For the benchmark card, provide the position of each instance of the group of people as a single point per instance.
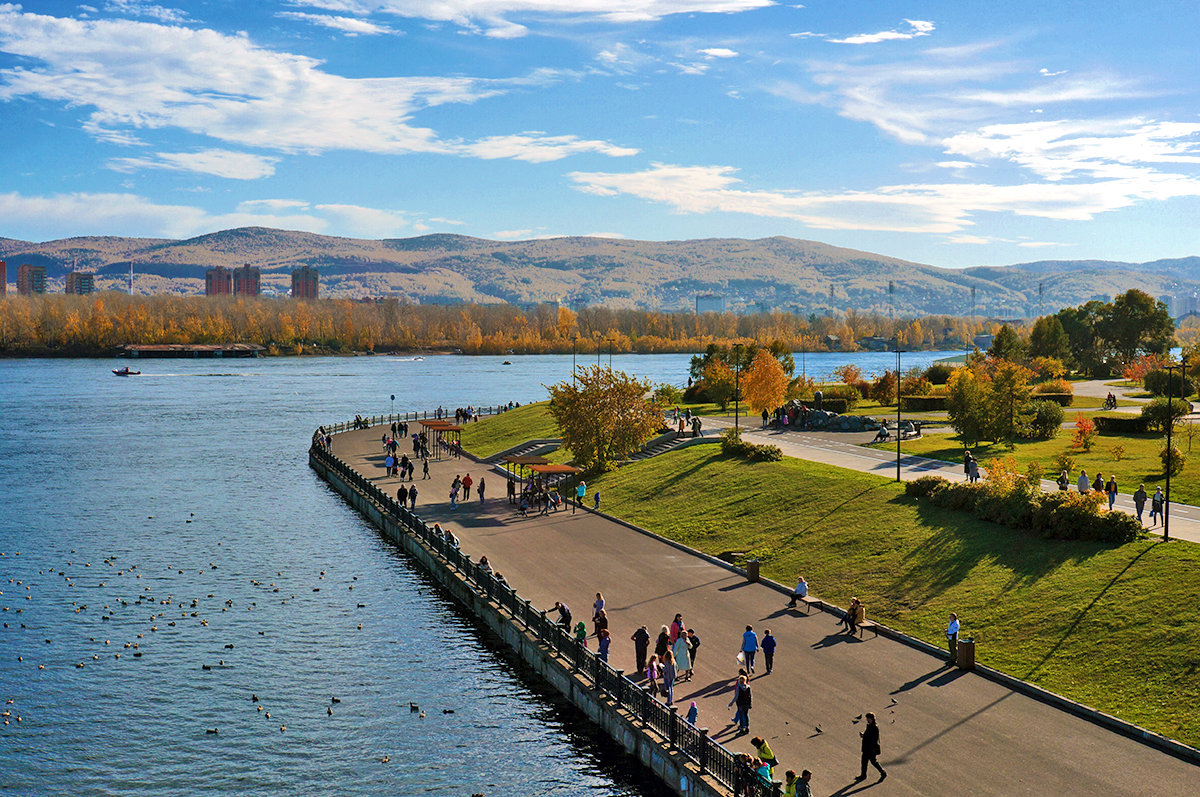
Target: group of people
(673, 660)
(465, 483)
(971, 467)
(1110, 490)
(534, 495)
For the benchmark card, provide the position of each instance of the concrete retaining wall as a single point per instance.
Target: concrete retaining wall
(678, 772)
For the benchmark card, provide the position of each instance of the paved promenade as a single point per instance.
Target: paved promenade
(947, 733)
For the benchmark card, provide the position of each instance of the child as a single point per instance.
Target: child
(596, 501)
(652, 675)
(693, 713)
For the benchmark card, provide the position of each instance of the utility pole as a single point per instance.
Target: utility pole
(1170, 425)
(897, 408)
(737, 382)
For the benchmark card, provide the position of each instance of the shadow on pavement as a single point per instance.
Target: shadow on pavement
(834, 639)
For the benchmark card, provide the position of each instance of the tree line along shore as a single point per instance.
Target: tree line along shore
(97, 324)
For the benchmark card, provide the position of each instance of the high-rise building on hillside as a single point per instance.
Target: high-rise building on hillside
(80, 282)
(306, 283)
(247, 281)
(218, 282)
(31, 279)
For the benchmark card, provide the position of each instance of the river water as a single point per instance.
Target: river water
(166, 556)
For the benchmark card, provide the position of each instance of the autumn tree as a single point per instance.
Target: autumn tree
(719, 383)
(603, 416)
(764, 384)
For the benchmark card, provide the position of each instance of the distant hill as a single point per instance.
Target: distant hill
(765, 274)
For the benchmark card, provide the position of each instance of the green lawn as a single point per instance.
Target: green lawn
(1139, 464)
(497, 433)
(1113, 627)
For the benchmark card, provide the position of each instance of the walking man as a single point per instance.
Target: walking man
(402, 495)
(641, 646)
(693, 645)
(768, 649)
(412, 497)
(749, 647)
(952, 636)
(1156, 506)
(466, 484)
(870, 749)
(1139, 501)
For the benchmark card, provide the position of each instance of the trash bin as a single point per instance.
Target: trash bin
(752, 570)
(966, 654)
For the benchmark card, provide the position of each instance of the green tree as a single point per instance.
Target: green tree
(1007, 345)
(1049, 339)
(603, 416)
(1009, 400)
(967, 393)
(719, 383)
(1137, 323)
(1088, 350)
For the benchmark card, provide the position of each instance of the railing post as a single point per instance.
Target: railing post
(703, 753)
(619, 685)
(645, 707)
(673, 727)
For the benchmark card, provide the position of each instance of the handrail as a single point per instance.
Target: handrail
(712, 757)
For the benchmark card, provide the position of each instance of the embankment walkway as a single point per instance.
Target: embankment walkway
(944, 731)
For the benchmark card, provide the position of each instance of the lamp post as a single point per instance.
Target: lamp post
(1170, 425)
(897, 408)
(737, 383)
(574, 344)
(610, 348)
(393, 404)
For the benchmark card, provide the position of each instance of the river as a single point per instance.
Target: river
(166, 556)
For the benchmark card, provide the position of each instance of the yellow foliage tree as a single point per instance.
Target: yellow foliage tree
(765, 384)
(603, 416)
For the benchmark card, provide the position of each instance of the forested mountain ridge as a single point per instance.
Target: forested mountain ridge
(765, 274)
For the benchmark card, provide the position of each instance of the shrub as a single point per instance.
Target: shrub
(838, 405)
(1085, 433)
(1034, 473)
(695, 394)
(1046, 421)
(733, 445)
(848, 374)
(1118, 452)
(1160, 382)
(666, 394)
(1054, 386)
(1159, 416)
(1061, 399)
(1065, 461)
(924, 486)
(938, 373)
(1178, 458)
(922, 403)
(1048, 367)
(1119, 423)
(883, 389)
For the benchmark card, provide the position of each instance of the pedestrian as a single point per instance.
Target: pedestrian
(454, 497)
(743, 699)
(966, 462)
(790, 783)
(596, 501)
(412, 497)
(974, 467)
(466, 485)
(1098, 484)
(693, 645)
(764, 753)
(662, 643)
(1064, 481)
(425, 468)
(597, 606)
(682, 657)
(1084, 484)
(749, 647)
(512, 491)
(768, 649)
(804, 790)
(481, 483)
(580, 493)
(402, 495)
(564, 615)
(952, 636)
(600, 622)
(801, 591)
(652, 676)
(641, 646)
(603, 644)
(677, 628)
(1111, 489)
(870, 749)
(389, 462)
(668, 677)
(581, 633)
(766, 416)
(1157, 503)
(693, 713)
(1139, 501)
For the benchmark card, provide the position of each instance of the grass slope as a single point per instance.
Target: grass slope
(1139, 462)
(495, 434)
(1113, 627)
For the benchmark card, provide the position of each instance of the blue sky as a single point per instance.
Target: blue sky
(949, 133)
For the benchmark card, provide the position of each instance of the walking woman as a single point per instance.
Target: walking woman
(668, 677)
(600, 622)
(741, 697)
(683, 658)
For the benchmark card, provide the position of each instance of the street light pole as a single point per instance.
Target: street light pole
(1170, 425)
(897, 408)
(610, 348)
(737, 383)
(574, 344)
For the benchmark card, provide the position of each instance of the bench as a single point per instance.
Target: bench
(868, 624)
(808, 601)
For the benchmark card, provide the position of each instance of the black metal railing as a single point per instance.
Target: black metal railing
(712, 758)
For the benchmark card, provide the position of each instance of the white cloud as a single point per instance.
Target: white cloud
(494, 17)
(510, 235)
(916, 28)
(439, 220)
(1044, 72)
(56, 216)
(217, 162)
(140, 8)
(922, 208)
(690, 69)
(138, 76)
(956, 164)
(351, 26)
(719, 52)
(538, 147)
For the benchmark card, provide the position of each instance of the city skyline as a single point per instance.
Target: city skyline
(927, 131)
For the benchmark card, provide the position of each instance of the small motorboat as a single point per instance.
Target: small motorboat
(507, 362)
(124, 371)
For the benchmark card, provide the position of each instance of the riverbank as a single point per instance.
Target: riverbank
(947, 723)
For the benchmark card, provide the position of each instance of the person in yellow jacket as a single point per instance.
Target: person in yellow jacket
(764, 753)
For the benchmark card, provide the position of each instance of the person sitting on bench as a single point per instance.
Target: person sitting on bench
(882, 434)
